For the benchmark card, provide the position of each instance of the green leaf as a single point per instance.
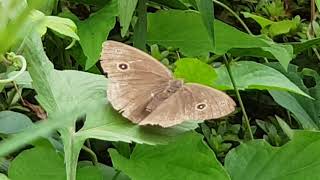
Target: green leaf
(13, 122)
(94, 31)
(38, 163)
(306, 111)
(3, 177)
(252, 75)
(206, 10)
(90, 173)
(126, 10)
(274, 28)
(15, 21)
(77, 85)
(175, 4)
(195, 160)
(318, 4)
(284, 53)
(106, 124)
(63, 26)
(289, 102)
(107, 171)
(44, 162)
(140, 28)
(24, 80)
(194, 70)
(263, 22)
(191, 36)
(257, 160)
(192, 39)
(299, 47)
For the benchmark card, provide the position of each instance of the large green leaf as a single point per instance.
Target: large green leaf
(63, 26)
(299, 47)
(106, 124)
(14, 21)
(205, 7)
(126, 10)
(60, 90)
(306, 111)
(252, 75)
(13, 122)
(38, 163)
(186, 158)
(192, 38)
(176, 4)
(283, 52)
(296, 160)
(94, 31)
(248, 75)
(43, 162)
(289, 102)
(193, 70)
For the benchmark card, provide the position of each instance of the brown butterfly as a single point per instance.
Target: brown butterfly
(145, 91)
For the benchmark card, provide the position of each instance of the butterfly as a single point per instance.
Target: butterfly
(144, 91)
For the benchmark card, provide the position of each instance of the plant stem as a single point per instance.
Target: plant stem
(239, 98)
(23, 68)
(92, 154)
(235, 15)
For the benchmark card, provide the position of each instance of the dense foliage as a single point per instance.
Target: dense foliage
(56, 122)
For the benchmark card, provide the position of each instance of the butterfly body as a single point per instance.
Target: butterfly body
(145, 91)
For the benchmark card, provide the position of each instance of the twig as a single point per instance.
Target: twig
(92, 154)
(238, 97)
(235, 15)
(23, 68)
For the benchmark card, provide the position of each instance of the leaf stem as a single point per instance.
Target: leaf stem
(234, 14)
(92, 154)
(239, 98)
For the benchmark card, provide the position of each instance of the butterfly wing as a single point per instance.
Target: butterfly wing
(191, 102)
(134, 76)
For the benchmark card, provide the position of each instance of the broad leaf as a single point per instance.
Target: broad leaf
(205, 7)
(257, 160)
(94, 31)
(63, 26)
(13, 122)
(44, 162)
(186, 158)
(175, 4)
(191, 36)
(306, 111)
(78, 87)
(299, 47)
(263, 22)
(106, 124)
(192, 39)
(252, 75)
(38, 163)
(283, 52)
(193, 70)
(126, 10)
(289, 102)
